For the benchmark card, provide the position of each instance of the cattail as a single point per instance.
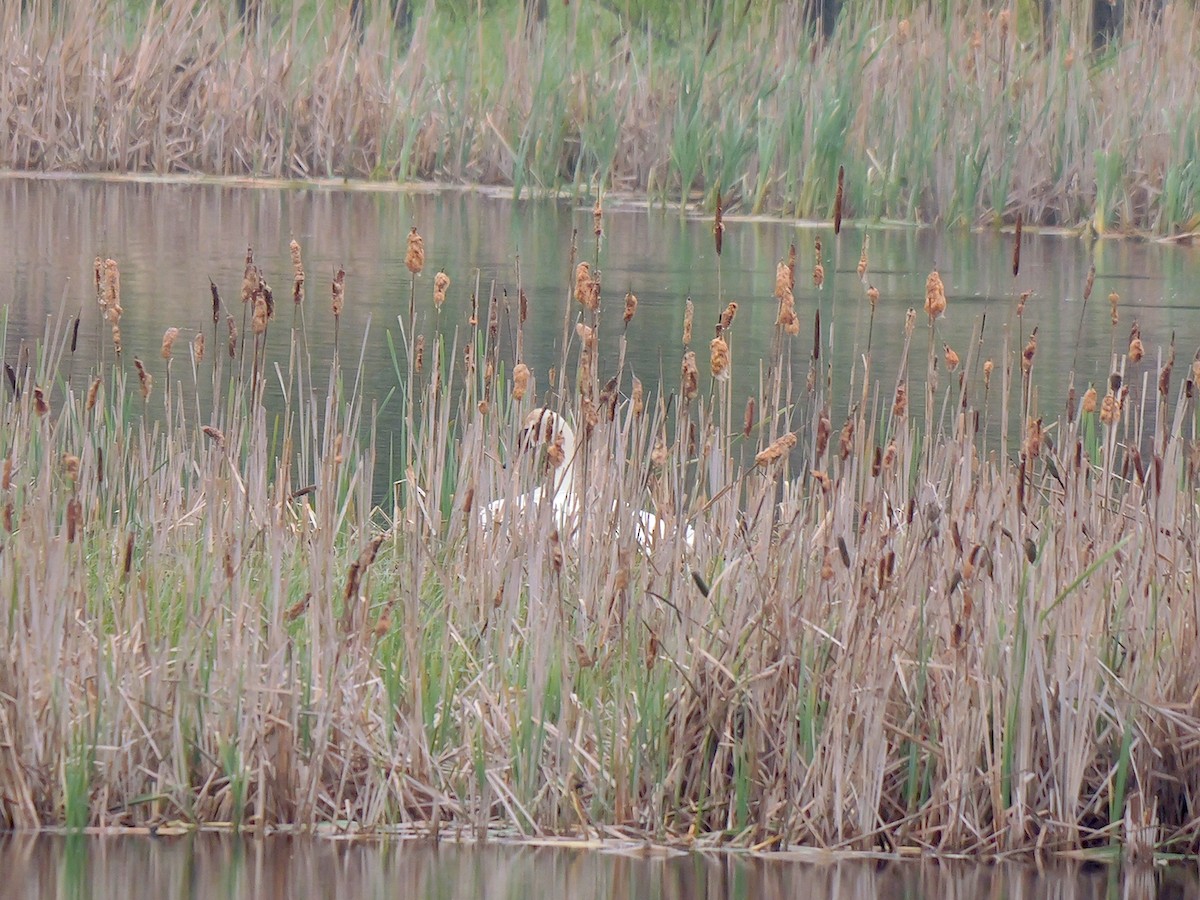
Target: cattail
(1017, 248)
(74, 515)
(262, 313)
(1033, 439)
(637, 400)
(112, 291)
(216, 301)
(198, 346)
(441, 281)
(168, 341)
(214, 434)
(873, 296)
(145, 379)
(116, 338)
(846, 438)
(728, 315)
(988, 365)
(935, 296)
(92, 393)
(776, 451)
(910, 322)
(748, 421)
(1113, 299)
(719, 359)
(339, 292)
(631, 303)
(824, 430)
(818, 269)
(900, 403)
(1089, 400)
(297, 273)
(41, 406)
(70, 464)
(1164, 374)
(414, 258)
(520, 381)
(233, 335)
(791, 264)
(1087, 285)
(556, 454)
(583, 284)
(691, 376)
(788, 320)
(98, 271)
(1136, 350)
(951, 357)
(249, 277)
(862, 259)
(718, 226)
(1025, 295)
(419, 355)
(837, 200)
(903, 31)
(523, 308)
(1029, 353)
(889, 457)
(1110, 410)
(689, 311)
(783, 277)
(598, 217)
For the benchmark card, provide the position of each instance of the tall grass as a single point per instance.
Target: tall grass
(959, 115)
(887, 632)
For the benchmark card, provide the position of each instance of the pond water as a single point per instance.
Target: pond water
(211, 866)
(171, 238)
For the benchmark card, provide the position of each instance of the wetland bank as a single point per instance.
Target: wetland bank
(941, 595)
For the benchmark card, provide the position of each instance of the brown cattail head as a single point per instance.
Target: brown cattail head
(92, 393)
(935, 296)
(824, 430)
(168, 342)
(791, 264)
(1029, 352)
(414, 256)
(441, 281)
(777, 450)
(689, 311)
(262, 313)
(718, 226)
(988, 365)
(112, 291)
(1021, 301)
(233, 335)
(728, 316)
(951, 357)
(339, 293)
(1089, 400)
(98, 271)
(1017, 247)
(748, 422)
(903, 31)
(40, 404)
(818, 276)
(598, 217)
(873, 296)
(249, 276)
(788, 320)
(1087, 285)
(198, 347)
(862, 259)
(846, 438)
(1136, 350)
(419, 355)
(1110, 409)
(783, 280)
(1164, 374)
(216, 301)
(144, 378)
(900, 403)
(520, 381)
(719, 359)
(631, 303)
(1033, 439)
(583, 281)
(690, 376)
(837, 200)
(70, 464)
(1113, 299)
(297, 272)
(116, 338)
(637, 397)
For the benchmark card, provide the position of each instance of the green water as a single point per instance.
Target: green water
(210, 867)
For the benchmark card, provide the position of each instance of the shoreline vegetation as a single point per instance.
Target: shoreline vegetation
(970, 629)
(961, 117)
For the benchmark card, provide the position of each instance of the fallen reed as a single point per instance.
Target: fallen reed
(855, 628)
(961, 115)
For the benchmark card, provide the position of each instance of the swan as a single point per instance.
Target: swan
(548, 433)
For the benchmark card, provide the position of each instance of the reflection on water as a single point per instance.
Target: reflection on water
(213, 866)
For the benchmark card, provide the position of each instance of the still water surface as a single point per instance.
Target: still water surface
(208, 867)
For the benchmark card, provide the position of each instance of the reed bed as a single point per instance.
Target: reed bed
(955, 622)
(963, 116)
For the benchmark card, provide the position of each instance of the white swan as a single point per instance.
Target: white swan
(547, 432)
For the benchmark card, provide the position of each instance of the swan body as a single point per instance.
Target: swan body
(546, 428)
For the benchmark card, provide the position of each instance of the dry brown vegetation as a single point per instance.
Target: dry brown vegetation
(967, 119)
(918, 611)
